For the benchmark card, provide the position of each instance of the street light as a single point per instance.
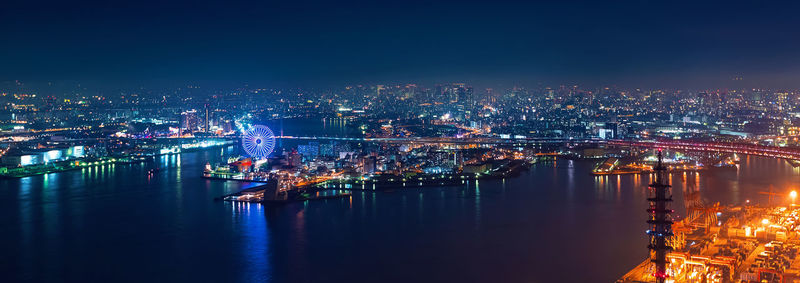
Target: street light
(793, 195)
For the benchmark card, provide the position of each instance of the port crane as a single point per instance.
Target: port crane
(696, 209)
(770, 194)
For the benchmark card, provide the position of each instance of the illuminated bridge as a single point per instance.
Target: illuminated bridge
(681, 145)
(721, 147)
(453, 140)
(717, 147)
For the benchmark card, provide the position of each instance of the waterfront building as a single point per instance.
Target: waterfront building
(326, 149)
(477, 168)
(42, 156)
(309, 151)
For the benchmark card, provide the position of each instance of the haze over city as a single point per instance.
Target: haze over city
(636, 44)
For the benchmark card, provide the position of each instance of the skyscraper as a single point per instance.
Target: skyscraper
(189, 120)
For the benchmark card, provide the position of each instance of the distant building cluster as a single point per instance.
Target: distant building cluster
(140, 121)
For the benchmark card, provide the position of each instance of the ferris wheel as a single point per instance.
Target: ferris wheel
(258, 141)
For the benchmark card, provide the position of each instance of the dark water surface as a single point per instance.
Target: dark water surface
(554, 223)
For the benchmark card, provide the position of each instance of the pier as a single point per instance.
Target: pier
(69, 165)
(269, 193)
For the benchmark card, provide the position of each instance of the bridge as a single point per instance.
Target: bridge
(447, 140)
(715, 147)
(720, 147)
(684, 145)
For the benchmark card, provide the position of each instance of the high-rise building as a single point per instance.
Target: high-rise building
(368, 164)
(294, 159)
(205, 125)
(326, 150)
(309, 151)
(611, 130)
(189, 120)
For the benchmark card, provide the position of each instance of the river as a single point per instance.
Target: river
(553, 223)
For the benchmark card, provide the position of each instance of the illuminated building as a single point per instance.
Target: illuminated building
(189, 120)
(206, 125)
(43, 156)
(368, 164)
(294, 159)
(326, 149)
(309, 151)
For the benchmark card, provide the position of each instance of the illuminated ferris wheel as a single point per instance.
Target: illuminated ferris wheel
(258, 141)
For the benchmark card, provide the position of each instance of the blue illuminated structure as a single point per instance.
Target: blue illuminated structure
(258, 141)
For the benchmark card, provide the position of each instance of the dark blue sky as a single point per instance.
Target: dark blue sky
(321, 43)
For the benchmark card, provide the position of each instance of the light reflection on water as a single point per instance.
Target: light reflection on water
(99, 222)
(249, 219)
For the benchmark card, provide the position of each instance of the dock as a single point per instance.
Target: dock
(257, 195)
(732, 244)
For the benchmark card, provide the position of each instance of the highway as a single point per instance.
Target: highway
(685, 145)
(721, 147)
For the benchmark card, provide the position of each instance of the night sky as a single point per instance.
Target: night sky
(327, 43)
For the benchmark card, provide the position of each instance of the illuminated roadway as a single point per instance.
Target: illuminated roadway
(720, 147)
(684, 145)
(471, 140)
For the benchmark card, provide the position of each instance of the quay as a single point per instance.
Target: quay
(614, 166)
(228, 176)
(383, 181)
(269, 193)
(423, 180)
(334, 186)
(247, 191)
(63, 166)
(731, 244)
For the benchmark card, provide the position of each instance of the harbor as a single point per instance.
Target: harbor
(747, 243)
(744, 242)
(63, 166)
(679, 164)
(421, 214)
(260, 194)
(61, 158)
(280, 187)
